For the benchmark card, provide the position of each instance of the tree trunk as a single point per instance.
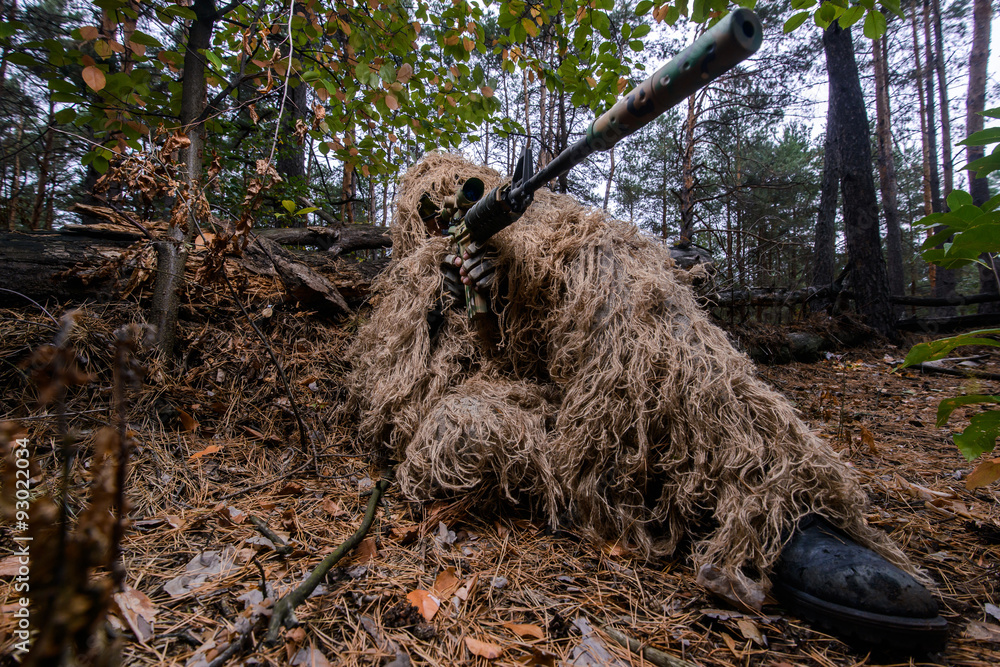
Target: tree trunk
(171, 252)
(687, 175)
(868, 278)
(975, 103)
(44, 164)
(824, 243)
(887, 169)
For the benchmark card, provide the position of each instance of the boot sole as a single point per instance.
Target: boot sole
(869, 630)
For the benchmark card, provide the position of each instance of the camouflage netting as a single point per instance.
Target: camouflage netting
(611, 399)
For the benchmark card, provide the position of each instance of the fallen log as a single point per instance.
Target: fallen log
(957, 300)
(935, 325)
(335, 240)
(56, 267)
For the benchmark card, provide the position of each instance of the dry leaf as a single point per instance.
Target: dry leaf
(94, 78)
(985, 473)
(616, 549)
(425, 602)
(751, 631)
(406, 534)
(731, 643)
(211, 449)
(89, 32)
(391, 102)
(188, 423)
(365, 551)
(405, 73)
(138, 612)
(869, 440)
(525, 630)
(445, 584)
(483, 649)
(310, 657)
(465, 591)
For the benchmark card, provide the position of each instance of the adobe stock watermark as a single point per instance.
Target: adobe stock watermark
(22, 545)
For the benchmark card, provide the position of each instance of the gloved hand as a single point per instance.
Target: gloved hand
(477, 266)
(453, 280)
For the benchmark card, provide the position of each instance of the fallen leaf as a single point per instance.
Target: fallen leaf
(921, 492)
(290, 489)
(138, 611)
(744, 594)
(869, 440)
(310, 657)
(985, 473)
(465, 591)
(365, 551)
(211, 449)
(616, 549)
(406, 534)
(983, 632)
(731, 643)
(750, 631)
(445, 584)
(425, 602)
(188, 422)
(525, 630)
(483, 649)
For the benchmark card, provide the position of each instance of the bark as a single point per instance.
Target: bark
(59, 267)
(887, 169)
(947, 167)
(868, 278)
(824, 243)
(687, 175)
(171, 251)
(944, 279)
(44, 164)
(335, 240)
(975, 103)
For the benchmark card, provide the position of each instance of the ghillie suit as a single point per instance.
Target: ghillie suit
(610, 399)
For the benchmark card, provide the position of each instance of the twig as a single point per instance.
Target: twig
(649, 653)
(930, 367)
(283, 614)
(280, 547)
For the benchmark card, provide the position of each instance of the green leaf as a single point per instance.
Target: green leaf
(794, 22)
(140, 37)
(990, 135)
(803, 4)
(851, 16)
(939, 349)
(948, 405)
(214, 59)
(307, 209)
(874, 24)
(65, 116)
(958, 198)
(980, 436)
(643, 8)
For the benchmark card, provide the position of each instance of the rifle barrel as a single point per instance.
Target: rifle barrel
(732, 40)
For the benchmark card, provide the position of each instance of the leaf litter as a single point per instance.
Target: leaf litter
(507, 591)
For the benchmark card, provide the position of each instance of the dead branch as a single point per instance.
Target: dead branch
(284, 609)
(649, 653)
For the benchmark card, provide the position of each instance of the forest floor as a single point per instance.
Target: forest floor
(216, 445)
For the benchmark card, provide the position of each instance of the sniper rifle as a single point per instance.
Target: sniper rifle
(474, 217)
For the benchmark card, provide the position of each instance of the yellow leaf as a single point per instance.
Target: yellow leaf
(483, 649)
(425, 602)
(525, 630)
(985, 473)
(211, 449)
(530, 27)
(94, 78)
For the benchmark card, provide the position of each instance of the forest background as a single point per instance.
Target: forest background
(340, 97)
